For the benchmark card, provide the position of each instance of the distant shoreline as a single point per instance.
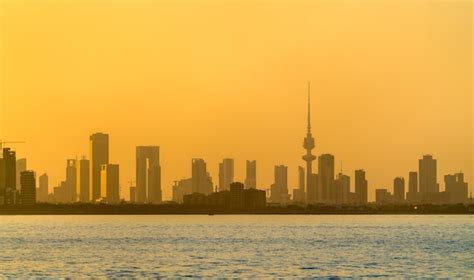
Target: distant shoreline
(177, 209)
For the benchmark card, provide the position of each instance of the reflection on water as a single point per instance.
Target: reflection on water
(236, 246)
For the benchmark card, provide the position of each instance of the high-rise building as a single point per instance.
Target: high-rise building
(181, 188)
(20, 167)
(133, 194)
(361, 186)
(299, 193)
(251, 174)
(429, 188)
(8, 177)
(28, 188)
(412, 194)
(201, 180)
(83, 189)
(71, 180)
(43, 190)
(382, 196)
(279, 189)
(308, 145)
(236, 195)
(226, 174)
(109, 183)
(456, 188)
(99, 155)
(399, 190)
(326, 191)
(342, 188)
(148, 174)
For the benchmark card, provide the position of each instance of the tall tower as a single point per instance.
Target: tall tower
(99, 155)
(308, 145)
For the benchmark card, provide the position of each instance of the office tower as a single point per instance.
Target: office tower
(43, 191)
(456, 188)
(399, 190)
(299, 193)
(28, 188)
(382, 196)
(342, 188)
(99, 155)
(83, 179)
(308, 145)
(201, 180)
(361, 187)
(148, 174)
(133, 194)
(279, 189)
(71, 180)
(20, 167)
(428, 185)
(109, 183)
(226, 174)
(326, 191)
(181, 188)
(251, 174)
(8, 177)
(412, 195)
(236, 195)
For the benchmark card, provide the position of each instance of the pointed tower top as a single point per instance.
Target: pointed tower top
(309, 107)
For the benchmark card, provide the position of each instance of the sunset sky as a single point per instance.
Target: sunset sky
(391, 81)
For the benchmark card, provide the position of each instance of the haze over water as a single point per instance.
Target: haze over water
(236, 245)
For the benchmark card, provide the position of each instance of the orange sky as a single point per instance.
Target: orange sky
(391, 80)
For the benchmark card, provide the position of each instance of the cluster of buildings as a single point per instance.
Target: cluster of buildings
(424, 188)
(96, 180)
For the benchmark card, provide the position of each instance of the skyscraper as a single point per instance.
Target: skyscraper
(412, 195)
(361, 187)
(43, 189)
(226, 174)
(71, 180)
(308, 145)
(148, 174)
(251, 174)
(342, 187)
(279, 189)
(99, 155)
(428, 178)
(28, 188)
(83, 180)
(20, 167)
(8, 177)
(109, 183)
(201, 181)
(399, 190)
(456, 188)
(299, 193)
(326, 191)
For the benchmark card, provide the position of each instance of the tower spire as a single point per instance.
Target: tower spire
(309, 107)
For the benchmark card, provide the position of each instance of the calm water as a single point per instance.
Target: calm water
(236, 246)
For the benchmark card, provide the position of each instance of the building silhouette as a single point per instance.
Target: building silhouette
(308, 145)
(342, 188)
(71, 180)
(382, 196)
(279, 189)
(456, 188)
(399, 190)
(226, 174)
(99, 155)
(133, 194)
(299, 192)
(412, 194)
(361, 186)
(326, 191)
(201, 181)
(20, 167)
(83, 179)
(236, 195)
(8, 192)
(181, 188)
(28, 187)
(429, 188)
(148, 174)
(109, 183)
(251, 174)
(43, 189)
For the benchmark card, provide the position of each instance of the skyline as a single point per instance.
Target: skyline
(145, 81)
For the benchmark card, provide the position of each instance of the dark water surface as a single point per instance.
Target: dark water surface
(237, 246)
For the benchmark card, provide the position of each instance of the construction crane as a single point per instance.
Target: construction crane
(9, 142)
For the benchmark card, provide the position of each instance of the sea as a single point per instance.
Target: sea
(237, 246)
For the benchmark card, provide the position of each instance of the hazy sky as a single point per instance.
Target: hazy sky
(391, 80)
